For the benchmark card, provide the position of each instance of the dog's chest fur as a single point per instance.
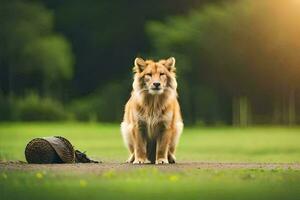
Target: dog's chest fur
(153, 117)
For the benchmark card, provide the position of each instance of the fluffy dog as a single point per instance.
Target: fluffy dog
(152, 121)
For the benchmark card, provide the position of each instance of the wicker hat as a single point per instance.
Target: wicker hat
(45, 150)
(55, 149)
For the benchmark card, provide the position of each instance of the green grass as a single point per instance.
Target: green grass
(153, 184)
(260, 144)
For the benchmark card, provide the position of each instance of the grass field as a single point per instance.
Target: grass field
(103, 141)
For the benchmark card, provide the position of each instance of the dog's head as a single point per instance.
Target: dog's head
(154, 78)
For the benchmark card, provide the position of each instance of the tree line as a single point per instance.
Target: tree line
(237, 61)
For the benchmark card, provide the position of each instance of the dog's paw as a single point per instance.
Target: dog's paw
(171, 158)
(130, 159)
(162, 161)
(138, 161)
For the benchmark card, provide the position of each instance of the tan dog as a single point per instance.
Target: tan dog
(152, 121)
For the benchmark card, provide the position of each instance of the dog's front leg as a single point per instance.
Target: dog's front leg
(162, 147)
(140, 155)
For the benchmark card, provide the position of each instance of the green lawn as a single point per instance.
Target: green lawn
(153, 184)
(202, 144)
(261, 144)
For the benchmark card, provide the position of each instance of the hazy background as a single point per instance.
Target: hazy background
(238, 62)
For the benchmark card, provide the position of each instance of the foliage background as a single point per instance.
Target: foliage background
(237, 60)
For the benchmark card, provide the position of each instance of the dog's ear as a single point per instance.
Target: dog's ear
(139, 65)
(170, 64)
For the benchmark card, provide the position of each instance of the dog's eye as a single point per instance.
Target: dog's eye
(162, 74)
(148, 74)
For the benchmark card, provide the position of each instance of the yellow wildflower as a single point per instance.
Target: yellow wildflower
(173, 178)
(39, 175)
(82, 183)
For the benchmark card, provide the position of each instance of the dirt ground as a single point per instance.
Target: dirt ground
(102, 167)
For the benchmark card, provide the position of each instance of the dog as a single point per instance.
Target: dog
(152, 122)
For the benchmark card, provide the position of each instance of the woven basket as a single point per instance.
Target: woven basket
(50, 150)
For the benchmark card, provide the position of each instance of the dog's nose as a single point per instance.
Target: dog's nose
(156, 84)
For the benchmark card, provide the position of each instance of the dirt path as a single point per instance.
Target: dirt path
(102, 167)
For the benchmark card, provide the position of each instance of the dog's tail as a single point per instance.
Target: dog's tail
(151, 151)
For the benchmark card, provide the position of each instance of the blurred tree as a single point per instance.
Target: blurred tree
(107, 35)
(30, 53)
(246, 48)
(50, 56)
(232, 57)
